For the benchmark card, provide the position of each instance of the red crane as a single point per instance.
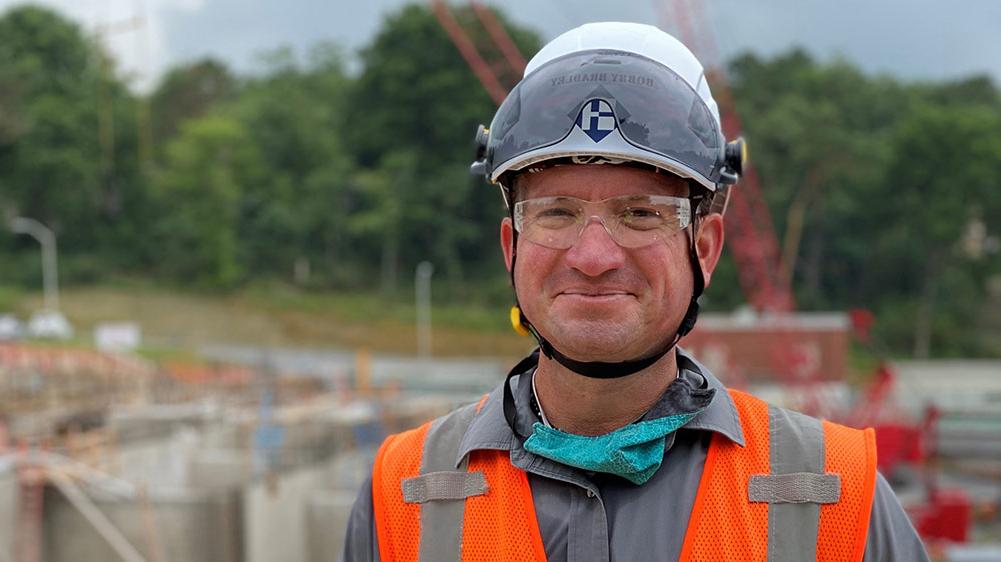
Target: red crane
(753, 244)
(945, 513)
(488, 74)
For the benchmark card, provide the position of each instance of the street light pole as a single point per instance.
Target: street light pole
(47, 239)
(422, 286)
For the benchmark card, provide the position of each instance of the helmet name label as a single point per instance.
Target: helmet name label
(611, 77)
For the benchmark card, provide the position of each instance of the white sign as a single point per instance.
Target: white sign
(118, 336)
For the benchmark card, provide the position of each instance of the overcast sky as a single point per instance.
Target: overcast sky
(913, 39)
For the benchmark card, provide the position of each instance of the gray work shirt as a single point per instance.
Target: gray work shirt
(585, 517)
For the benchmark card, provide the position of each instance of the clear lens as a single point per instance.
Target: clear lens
(633, 221)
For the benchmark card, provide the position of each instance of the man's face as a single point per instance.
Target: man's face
(598, 301)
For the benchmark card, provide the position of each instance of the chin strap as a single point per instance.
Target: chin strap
(603, 370)
(599, 369)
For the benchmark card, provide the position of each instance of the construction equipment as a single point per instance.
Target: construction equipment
(766, 280)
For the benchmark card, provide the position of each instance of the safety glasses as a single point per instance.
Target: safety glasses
(632, 221)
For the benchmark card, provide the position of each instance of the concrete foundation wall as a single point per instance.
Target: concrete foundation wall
(220, 469)
(326, 521)
(8, 510)
(275, 517)
(190, 527)
(296, 515)
(163, 462)
(301, 515)
(216, 496)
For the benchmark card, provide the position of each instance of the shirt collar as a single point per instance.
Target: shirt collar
(489, 430)
(721, 415)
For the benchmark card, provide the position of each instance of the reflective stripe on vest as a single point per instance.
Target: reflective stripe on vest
(428, 509)
(795, 487)
(441, 513)
(799, 489)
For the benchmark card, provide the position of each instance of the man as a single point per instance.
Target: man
(610, 442)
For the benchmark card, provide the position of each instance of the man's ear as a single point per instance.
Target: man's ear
(709, 243)
(507, 241)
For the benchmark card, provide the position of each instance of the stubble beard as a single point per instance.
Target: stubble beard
(593, 338)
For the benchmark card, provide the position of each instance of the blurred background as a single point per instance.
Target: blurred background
(239, 244)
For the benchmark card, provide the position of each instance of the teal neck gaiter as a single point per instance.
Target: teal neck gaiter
(633, 452)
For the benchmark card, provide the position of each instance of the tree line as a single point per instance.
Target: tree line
(333, 176)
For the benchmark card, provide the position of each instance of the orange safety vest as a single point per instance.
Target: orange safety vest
(491, 500)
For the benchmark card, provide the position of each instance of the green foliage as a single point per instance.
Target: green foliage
(885, 180)
(209, 167)
(67, 140)
(885, 195)
(294, 117)
(417, 93)
(187, 92)
(9, 297)
(417, 101)
(945, 165)
(49, 151)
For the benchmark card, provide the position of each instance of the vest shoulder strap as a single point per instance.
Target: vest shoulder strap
(397, 522)
(800, 489)
(429, 509)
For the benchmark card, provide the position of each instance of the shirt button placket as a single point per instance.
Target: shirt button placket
(590, 527)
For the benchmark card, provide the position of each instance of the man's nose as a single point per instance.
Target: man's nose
(595, 252)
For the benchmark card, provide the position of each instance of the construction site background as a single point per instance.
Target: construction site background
(257, 454)
(269, 272)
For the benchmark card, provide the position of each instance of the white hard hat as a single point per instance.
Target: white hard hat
(615, 91)
(638, 38)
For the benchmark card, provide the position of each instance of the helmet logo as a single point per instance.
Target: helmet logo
(596, 119)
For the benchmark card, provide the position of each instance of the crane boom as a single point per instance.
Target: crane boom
(469, 52)
(500, 37)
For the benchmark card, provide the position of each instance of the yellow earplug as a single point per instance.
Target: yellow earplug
(516, 322)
